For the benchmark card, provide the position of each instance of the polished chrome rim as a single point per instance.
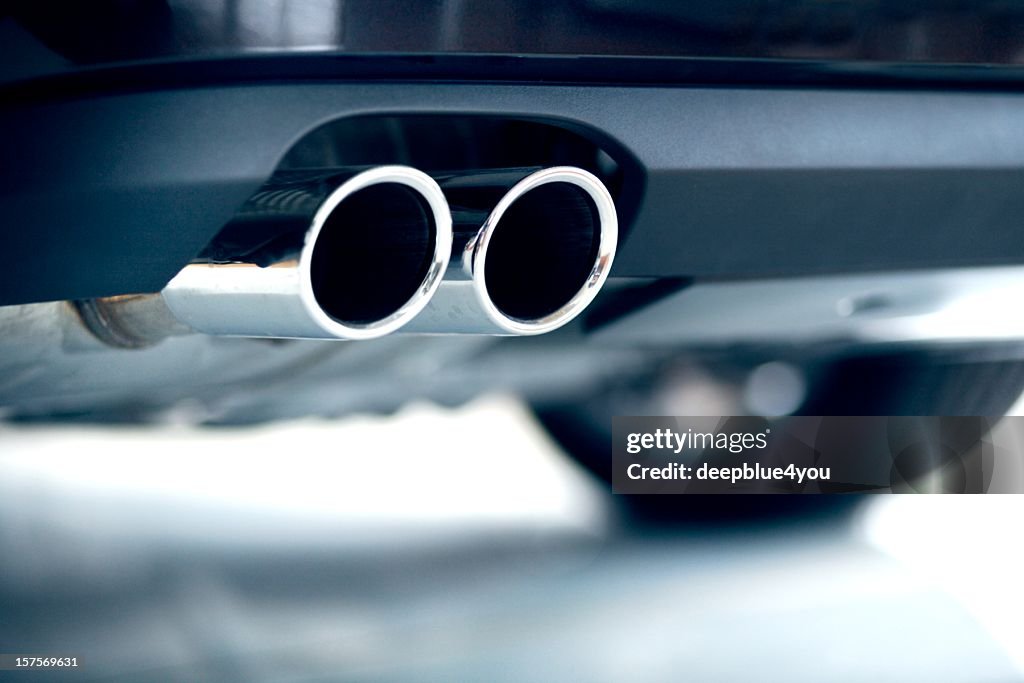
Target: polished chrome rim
(475, 255)
(429, 190)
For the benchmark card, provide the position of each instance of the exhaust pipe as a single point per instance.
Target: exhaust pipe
(532, 248)
(321, 255)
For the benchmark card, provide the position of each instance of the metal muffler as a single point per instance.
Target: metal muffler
(336, 254)
(313, 254)
(532, 248)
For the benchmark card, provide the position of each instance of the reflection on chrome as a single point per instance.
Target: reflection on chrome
(320, 254)
(529, 264)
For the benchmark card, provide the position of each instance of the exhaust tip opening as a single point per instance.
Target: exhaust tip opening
(372, 254)
(548, 250)
(376, 252)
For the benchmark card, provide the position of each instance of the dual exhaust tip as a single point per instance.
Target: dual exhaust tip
(358, 255)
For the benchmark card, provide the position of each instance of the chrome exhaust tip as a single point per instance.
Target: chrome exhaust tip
(538, 259)
(544, 252)
(372, 256)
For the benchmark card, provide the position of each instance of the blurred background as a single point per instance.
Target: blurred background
(938, 31)
(441, 544)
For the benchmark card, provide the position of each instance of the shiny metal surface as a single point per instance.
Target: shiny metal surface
(466, 301)
(260, 278)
